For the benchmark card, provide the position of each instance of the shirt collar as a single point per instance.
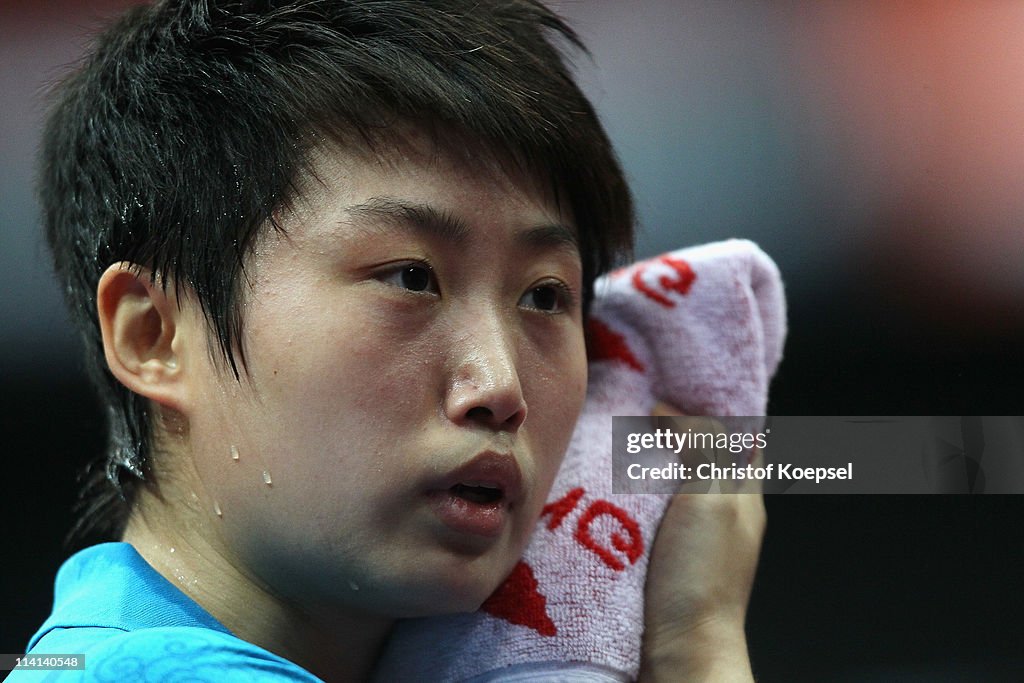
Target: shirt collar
(111, 586)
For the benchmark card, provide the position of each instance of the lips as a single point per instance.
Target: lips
(476, 498)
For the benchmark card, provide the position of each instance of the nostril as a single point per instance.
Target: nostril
(485, 416)
(479, 413)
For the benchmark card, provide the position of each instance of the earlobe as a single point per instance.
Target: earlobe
(140, 324)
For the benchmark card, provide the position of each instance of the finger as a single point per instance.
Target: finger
(703, 448)
(662, 409)
(754, 485)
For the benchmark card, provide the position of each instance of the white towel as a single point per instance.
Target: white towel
(701, 329)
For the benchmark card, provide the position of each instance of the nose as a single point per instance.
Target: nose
(484, 387)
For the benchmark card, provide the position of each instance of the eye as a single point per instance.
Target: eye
(548, 298)
(415, 277)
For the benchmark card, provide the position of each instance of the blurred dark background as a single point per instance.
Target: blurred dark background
(874, 149)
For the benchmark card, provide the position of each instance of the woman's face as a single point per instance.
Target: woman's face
(415, 366)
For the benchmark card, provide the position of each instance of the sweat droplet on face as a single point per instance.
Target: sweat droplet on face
(266, 477)
(216, 509)
(234, 452)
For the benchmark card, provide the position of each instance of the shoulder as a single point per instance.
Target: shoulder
(189, 654)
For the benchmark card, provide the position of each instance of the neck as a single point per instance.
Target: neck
(334, 645)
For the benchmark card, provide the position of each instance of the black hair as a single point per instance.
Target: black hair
(192, 121)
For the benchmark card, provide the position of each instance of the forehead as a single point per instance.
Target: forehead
(449, 171)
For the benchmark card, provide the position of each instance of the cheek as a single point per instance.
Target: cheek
(315, 411)
(335, 411)
(557, 389)
(331, 435)
(341, 407)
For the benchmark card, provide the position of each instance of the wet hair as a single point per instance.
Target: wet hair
(192, 121)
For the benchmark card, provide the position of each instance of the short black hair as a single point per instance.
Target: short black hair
(192, 121)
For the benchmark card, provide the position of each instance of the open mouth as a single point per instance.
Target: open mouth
(478, 498)
(481, 494)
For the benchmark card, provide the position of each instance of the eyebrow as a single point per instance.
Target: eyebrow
(445, 226)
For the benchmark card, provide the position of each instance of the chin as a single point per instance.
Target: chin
(452, 589)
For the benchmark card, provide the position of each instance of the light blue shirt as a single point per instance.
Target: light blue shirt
(132, 624)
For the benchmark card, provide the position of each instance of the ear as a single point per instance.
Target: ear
(142, 330)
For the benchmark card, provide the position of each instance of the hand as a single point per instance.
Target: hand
(698, 585)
